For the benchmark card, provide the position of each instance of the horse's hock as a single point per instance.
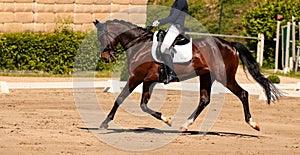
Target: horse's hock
(44, 15)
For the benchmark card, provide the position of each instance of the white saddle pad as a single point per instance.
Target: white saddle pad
(183, 52)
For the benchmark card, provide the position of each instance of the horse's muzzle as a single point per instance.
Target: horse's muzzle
(105, 59)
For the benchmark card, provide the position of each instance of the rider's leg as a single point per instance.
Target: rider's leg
(168, 60)
(171, 35)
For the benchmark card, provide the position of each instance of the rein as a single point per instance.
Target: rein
(131, 43)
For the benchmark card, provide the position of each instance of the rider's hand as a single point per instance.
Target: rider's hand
(155, 23)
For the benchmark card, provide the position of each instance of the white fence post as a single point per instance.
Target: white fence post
(293, 43)
(277, 46)
(260, 49)
(297, 58)
(287, 51)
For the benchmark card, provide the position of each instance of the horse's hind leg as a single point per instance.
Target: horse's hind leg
(129, 87)
(242, 94)
(147, 90)
(205, 90)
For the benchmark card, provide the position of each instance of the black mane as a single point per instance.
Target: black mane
(126, 23)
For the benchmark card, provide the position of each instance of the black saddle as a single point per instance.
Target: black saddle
(181, 40)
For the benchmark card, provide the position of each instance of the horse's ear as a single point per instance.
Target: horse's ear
(98, 24)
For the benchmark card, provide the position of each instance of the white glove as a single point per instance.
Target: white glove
(155, 23)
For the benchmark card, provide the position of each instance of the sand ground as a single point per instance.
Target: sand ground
(46, 121)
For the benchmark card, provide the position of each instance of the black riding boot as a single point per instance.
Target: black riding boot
(171, 76)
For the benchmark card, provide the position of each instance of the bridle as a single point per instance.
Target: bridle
(113, 52)
(108, 45)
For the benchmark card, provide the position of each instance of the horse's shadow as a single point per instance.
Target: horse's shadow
(160, 131)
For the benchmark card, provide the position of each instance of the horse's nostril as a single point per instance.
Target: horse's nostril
(105, 60)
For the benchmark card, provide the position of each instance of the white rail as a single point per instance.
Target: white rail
(115, 86)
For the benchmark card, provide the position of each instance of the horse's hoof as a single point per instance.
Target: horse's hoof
(183, 129)
(254, 125)
(103, 126)
(169, 121)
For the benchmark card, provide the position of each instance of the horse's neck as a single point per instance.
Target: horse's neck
(139, 49)
(127, 34)
(131, 37)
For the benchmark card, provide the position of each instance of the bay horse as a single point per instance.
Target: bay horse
(137, 42)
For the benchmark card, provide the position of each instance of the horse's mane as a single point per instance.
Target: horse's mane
(143, 32)
(129, 24)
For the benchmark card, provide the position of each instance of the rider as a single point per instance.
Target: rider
(176, 19)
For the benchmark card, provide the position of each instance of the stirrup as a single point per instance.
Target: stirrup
(171, 77)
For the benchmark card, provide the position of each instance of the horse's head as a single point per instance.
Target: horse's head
(115, 31)
(107, 41)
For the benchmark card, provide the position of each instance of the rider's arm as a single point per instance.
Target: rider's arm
(171, 18)
(177, 9)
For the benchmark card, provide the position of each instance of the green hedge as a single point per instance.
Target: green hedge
(274, 78)
(60, 52)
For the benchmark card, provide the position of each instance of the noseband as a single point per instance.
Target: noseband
(108, 44)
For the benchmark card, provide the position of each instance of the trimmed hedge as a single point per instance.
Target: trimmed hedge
(274, 78)
(56, 52)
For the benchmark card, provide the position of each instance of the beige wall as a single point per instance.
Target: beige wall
(43, 15)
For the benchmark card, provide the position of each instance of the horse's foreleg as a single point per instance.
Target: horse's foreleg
(242, 94)
(122, 96)
(147, 90)
(205, 89)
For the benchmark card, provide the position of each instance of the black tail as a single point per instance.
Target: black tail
(272, 93)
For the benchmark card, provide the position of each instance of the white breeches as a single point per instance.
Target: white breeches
(171, 35)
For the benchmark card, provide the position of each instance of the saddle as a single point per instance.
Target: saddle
(181, 51)
(181, 39)
(181, 48)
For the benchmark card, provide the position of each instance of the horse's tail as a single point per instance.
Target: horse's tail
(271, 92)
